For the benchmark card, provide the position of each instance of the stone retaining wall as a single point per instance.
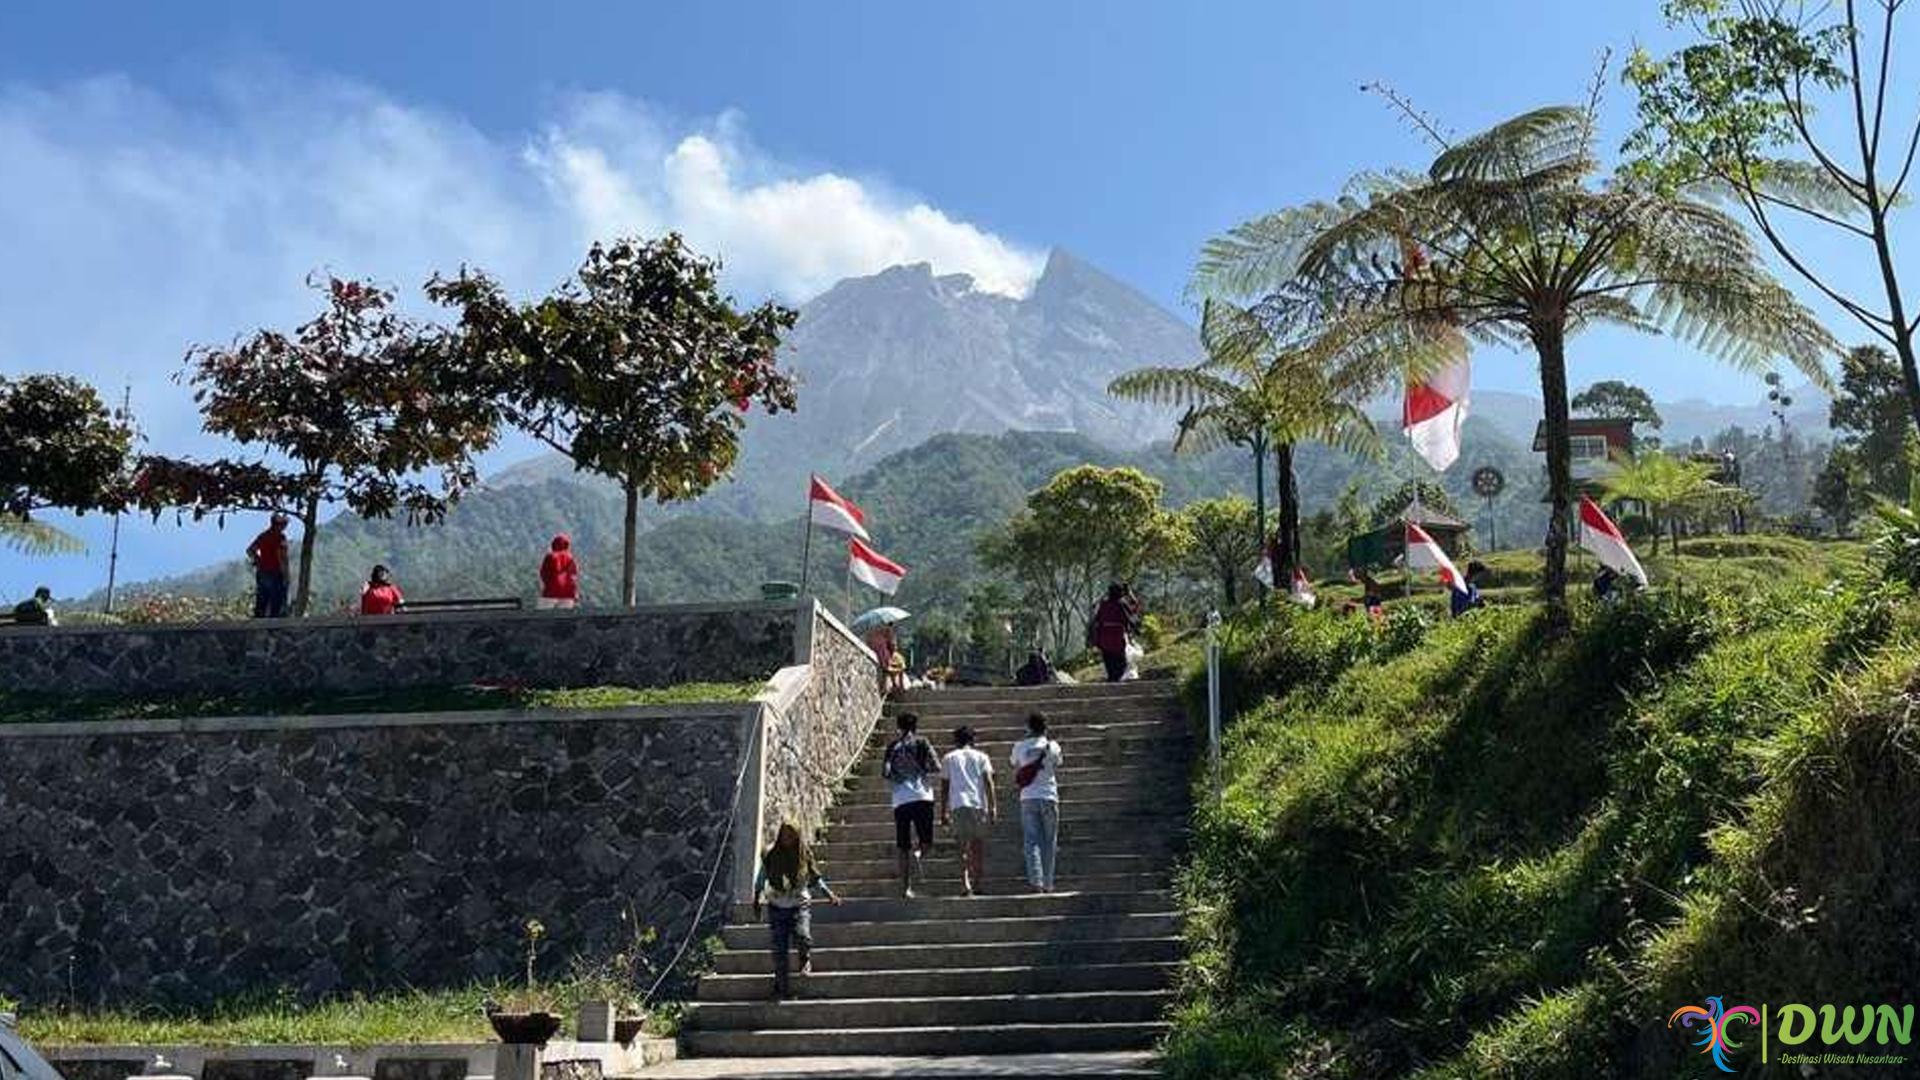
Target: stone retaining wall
(659, 646)
(183, 861)
(817, 732)
(180, 861)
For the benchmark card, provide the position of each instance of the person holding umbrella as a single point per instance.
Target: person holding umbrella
(876, 629)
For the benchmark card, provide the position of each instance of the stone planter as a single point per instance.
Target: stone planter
(628, 1028)
(596, 1022)
(525, 1029)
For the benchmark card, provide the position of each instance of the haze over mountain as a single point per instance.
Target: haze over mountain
(887, 361)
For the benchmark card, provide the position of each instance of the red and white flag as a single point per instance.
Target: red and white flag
(1435, 411)
(873, 568)
(829, 509)
(1423, 552)
(1302, 591)
(1602, 537)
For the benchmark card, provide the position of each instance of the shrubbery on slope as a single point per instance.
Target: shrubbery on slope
(1475, 852)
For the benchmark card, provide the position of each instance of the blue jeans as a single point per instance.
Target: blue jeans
(269, 595)
(1040, 822)
(788, 927)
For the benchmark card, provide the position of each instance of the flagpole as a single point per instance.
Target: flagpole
(849, 584)
(806, 546)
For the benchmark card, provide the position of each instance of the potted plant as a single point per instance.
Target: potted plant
(527, 1016)
(608, 987)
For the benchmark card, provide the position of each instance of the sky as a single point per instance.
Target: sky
(170, 173)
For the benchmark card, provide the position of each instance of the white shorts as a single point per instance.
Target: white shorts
(554, 603)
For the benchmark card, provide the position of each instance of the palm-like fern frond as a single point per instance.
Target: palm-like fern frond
(1508, 237)
(30, 536)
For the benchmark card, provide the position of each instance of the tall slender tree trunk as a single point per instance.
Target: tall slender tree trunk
(1288, 487)
(628, 545)
(309, 531)
(1260, 496)
(1549, 341)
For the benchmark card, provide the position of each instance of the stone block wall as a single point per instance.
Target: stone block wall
(818, 729)
(658, 646)
(165, 861)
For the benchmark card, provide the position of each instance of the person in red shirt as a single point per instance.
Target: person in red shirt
(559, 577)
(1114, 622)
(268, 554)
(381, 596)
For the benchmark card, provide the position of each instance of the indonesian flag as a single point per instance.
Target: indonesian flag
(874, 568)
(1602, 537)
(831, 510)
(1434, 412)
(1302, 591)
(1423, 552)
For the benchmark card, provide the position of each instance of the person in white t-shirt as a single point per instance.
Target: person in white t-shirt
(909, 763)
(967, 798)
(1036, 768)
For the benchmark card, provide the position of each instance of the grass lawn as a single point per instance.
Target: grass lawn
(19, 708)
(406, 1016)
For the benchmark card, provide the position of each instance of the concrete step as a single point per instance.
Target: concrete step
(1118, 1006)
(1028, 695)
(1105, 747)
(999, 732)
(1004, 860)
(936, 723)
(981, 907)
(1145, 836)
(921, 982)
(985, 954)
(929, 934)
(1074, 770)
(1107, 1065)
(942, 880)
(901, 1041)
(877, 827)
(1101, 786)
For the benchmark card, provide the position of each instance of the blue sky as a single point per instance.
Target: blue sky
(168, 172)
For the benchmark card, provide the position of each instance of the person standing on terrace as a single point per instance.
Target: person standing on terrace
(268, 554)
(559, 577)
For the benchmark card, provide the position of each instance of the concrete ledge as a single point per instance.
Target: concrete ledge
(659, 646)
(224, 725)
(362, 1061)
(364, 622)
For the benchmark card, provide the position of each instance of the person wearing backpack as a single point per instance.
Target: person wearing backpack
(1036, 767)
(910, 764)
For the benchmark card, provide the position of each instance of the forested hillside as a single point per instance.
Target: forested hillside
(927, 506)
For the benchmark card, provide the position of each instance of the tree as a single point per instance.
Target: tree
(1611, 399)
(1505, 239)
(352, 401)
(1226, 542)
(1733, 115)
(1869, 416)
(60, 447)
(1251, 392)
(1087, 527)
(1841, 490)
(637, 368)
(1666, 485)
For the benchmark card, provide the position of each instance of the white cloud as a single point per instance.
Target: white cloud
(136, 225)
(617, 168)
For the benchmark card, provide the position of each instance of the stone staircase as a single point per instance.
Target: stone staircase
(1075, 976)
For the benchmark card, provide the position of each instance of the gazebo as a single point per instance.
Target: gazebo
(1385, 545)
